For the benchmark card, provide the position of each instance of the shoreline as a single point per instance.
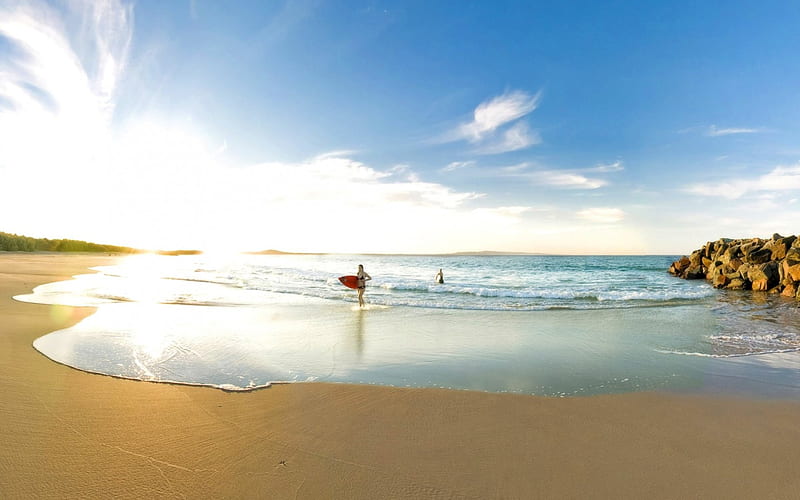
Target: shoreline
(70, 433)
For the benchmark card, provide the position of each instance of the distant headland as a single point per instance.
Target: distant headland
(768, 265)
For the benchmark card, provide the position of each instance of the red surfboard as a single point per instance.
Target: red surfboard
(349, 281)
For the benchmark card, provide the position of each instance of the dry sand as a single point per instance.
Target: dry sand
(67, 434)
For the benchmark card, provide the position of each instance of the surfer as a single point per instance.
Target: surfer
(439, 277)
(363, 277)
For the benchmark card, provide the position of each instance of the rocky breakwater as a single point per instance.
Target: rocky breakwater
(771, 265)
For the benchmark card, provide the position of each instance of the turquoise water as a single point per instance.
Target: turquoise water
(546, 325)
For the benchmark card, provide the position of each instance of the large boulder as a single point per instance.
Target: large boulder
(759, 256)
(793, 256)
(780, 247)
(720, 280)
(750, 247)
(743, 270)
(679, 266)
(790, 272)
(695, 258)
(764, 276)
(737, 284)
(695, 273)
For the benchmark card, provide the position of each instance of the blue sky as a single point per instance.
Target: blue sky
(557, 127)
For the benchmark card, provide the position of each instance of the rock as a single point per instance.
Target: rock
(760, 285)
(751, 263)
(791, 272)
(751, 247)
(695, 258)
(793, 256)
(679, 266)
(720, 281)
(743, 270)
(737, 284)
(694, 273)
(760, 256)
(780, 247)
(764, 276)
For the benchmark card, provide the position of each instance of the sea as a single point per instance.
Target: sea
(541, 325)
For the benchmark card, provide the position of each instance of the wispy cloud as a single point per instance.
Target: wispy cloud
(580, 178)
(60, 89)
(567, 180)
(456, 165)
(516, 137)
(781, 178)
(495, 127)
(606, 167)
(340, 153)
(714, 131)
(603, 215)
(498, 111)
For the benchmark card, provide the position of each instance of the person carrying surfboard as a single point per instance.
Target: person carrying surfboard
(363, 277)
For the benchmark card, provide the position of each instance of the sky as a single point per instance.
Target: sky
(619, 127)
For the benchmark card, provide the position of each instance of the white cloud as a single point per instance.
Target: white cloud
(332, 179)
(517, 169)
(713, 131)
(601, 214)
(340, 153)
(498, 111)
(406, 172)
(495, 127)
(516, 137)
(55, 95)
(567, 180)
(781, 178)
(456, 165)
(607, 167)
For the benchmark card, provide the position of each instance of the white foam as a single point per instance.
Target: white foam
(732, 355)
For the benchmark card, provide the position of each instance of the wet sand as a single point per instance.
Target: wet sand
(66, 433)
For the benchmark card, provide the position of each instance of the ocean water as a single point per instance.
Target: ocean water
(545, 325)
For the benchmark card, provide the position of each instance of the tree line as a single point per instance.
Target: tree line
(16, 243)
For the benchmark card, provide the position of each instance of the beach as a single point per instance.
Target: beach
(68, 433)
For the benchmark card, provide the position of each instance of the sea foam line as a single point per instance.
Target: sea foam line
(737, 355)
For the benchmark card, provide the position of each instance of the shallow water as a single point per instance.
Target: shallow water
(535, 325)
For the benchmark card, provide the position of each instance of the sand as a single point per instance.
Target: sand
(66, 434)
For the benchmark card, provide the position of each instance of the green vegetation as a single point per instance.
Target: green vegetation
(16, 243)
